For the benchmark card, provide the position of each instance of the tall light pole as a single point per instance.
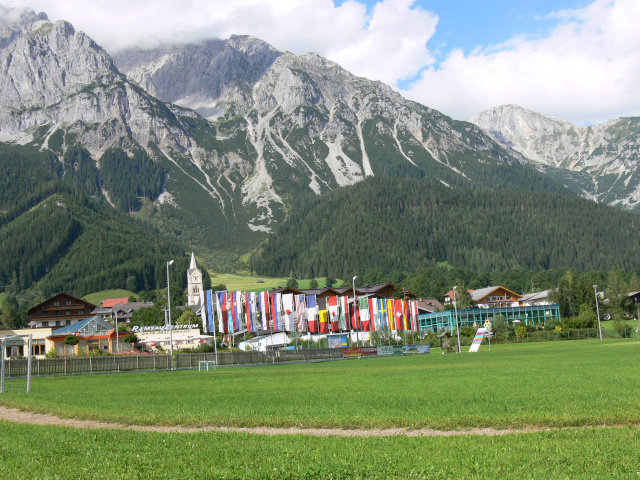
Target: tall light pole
(455, 309)
(354, 307)
(170, 262)
(595, 291)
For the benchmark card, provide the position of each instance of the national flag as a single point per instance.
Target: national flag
(312, 313)
(373, 311)
(240, 321)
(247, 311)
(355, 324)
(413, 307)
(363, 308)
(223, 326)
(264, 310)
(382, 312)
(229, 312)
(407, 315)
(334, 313)
(390, 315)
(324, 323)
(398, 314)
(253, 302)
(234, 311)
(301, 313)
(344, 312)
(209, 312)
(276, 312)
(288, 313)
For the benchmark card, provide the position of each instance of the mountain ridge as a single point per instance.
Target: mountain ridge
(598, 161)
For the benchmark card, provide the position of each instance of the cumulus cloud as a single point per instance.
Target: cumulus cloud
(387, 43)
(584, 71)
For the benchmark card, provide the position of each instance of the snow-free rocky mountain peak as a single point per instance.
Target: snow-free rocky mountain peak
(598, 162)
(216, 141)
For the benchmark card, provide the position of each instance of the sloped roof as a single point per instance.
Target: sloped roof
(110, 302)
(81, 325)
(192, 266)
(530, 297)
(90, 305)
(483, 292)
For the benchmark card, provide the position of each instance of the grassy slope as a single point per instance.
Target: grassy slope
(97, 297)
(541, 384)
(248, 283)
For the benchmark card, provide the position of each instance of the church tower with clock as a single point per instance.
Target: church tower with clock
(194, 282)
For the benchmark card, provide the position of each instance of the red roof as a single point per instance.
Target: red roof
(110, 302)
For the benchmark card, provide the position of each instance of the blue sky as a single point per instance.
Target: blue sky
(578, 60)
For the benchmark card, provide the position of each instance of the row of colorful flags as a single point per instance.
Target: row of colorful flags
(288, 312)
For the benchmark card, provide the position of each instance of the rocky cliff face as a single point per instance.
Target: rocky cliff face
(242, 130)
(599, 162)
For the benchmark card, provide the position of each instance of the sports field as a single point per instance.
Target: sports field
(538, 387)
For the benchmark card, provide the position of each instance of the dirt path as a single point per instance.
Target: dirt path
(15, 415)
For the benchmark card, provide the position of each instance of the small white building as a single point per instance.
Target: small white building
(537, 298)
(264, 343)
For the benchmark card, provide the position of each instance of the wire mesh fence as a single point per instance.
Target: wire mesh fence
(126, 363)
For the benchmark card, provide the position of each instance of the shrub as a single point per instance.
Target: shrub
(71, 340)
(521, 331)
(623, 329)
(51, 354)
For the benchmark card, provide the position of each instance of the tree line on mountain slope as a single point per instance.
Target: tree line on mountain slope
(56, 238)
(406, 225)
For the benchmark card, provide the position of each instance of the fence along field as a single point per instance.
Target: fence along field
(550, 384)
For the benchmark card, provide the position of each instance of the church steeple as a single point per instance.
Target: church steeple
(194, 282)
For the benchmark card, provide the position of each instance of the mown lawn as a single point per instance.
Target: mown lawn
(553, 384)
(28, 452)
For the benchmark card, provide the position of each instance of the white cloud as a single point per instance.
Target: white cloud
(386, 44)
(585, 71)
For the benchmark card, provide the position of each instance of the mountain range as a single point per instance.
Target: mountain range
(598, 162)
(218, 142)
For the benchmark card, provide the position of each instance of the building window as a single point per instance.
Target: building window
(196, 289)
(68, 302)
(56, 302)
(80, 312)
(38, 347)
(195, 279)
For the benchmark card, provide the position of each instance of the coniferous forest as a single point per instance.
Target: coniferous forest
(394, 224)
(54, 236)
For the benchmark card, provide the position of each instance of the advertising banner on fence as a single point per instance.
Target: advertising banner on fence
(417, 349)
(385, 350)
(477, 340)
(336, 341)
(351, 352)
(368, 351)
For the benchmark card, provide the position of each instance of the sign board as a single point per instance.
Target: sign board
(337, 341)
(368, 350)
(385, 350)
(351, 351)
(417, 349)
(477, 340)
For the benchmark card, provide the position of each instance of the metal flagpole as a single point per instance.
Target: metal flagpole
(30, 354)
(455, 308)
(170, 262)
(117, 339)
(2, 350)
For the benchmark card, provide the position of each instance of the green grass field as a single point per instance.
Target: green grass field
(551, 384)
(97, 297)
(248, 283)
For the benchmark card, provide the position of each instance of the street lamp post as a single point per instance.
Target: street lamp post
(170, 262)
(595, 291)
(455, 309)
